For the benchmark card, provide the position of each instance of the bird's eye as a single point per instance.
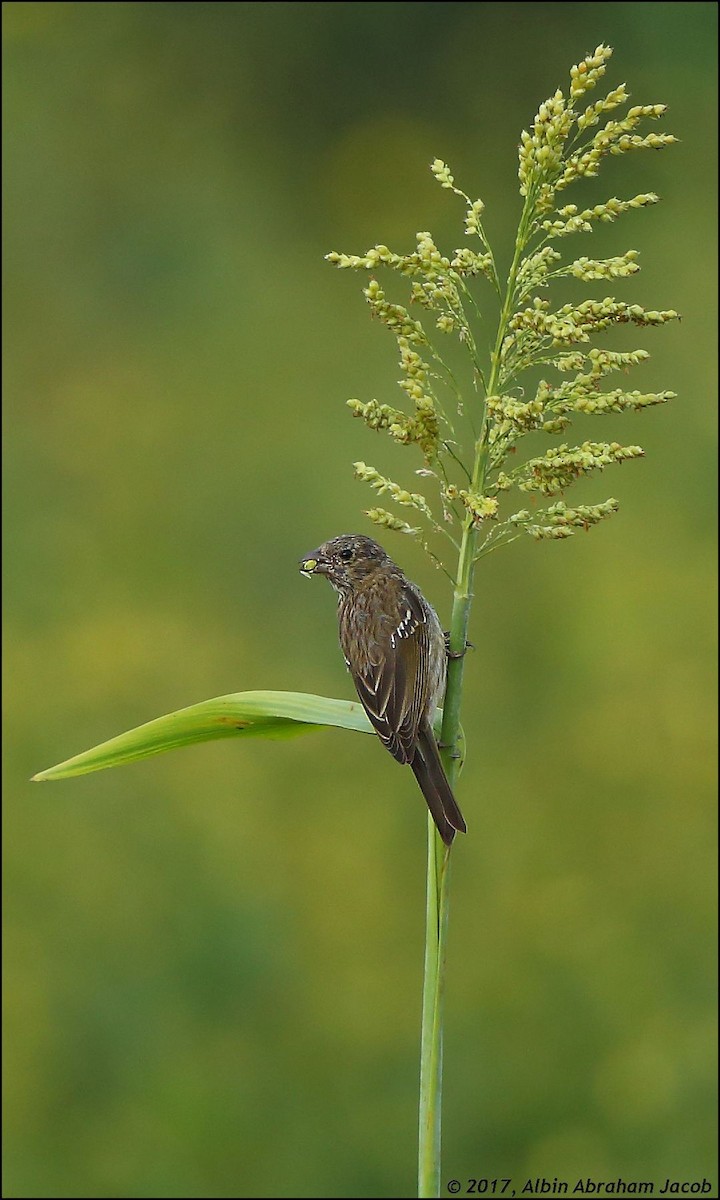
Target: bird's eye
(346, 553)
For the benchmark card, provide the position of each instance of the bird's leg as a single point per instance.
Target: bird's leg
(456, 653)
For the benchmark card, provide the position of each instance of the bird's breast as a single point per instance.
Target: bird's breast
(366, 626)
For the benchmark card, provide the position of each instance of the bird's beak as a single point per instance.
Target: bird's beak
(313, 566)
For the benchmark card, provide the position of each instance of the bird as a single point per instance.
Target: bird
(395, 651)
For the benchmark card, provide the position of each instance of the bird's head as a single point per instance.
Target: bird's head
(347, 561)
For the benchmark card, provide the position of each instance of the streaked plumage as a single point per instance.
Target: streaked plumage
(394, 648)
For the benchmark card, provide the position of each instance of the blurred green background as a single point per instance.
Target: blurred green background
(213, 959)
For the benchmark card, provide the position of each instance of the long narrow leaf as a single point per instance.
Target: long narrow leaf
(258, 714)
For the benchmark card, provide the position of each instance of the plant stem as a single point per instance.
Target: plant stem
(429, 1180)
(431, 1045)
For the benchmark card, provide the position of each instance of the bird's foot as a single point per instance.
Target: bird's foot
(456, 653)
(455, 754)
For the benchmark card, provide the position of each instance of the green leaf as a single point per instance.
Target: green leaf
(258, 714)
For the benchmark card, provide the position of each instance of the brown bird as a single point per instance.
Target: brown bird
(394, 648)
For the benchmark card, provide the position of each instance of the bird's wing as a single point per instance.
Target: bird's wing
(392, 678)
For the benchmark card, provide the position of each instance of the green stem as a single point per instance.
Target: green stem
(429, 1178)
(462, 599)
(432, 1023)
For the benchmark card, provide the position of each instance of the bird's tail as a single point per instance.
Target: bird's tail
(434, 786)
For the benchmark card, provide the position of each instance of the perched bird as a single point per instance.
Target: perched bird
(394, 648)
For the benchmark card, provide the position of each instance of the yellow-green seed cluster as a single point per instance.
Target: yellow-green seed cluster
(575, 323)
(582, 394)
(557, 469)
(568, 140)
(380, 516)
(594, 112)
(570, 220)
(586, 74)
(616, 137)
(534, 270)
(467, 263)
(601, 362)
(400, 495)
(618, 267)
(480, 508)
(512, 416)
(395, 316)
(552, 156)
(558, 521)
(475, 208)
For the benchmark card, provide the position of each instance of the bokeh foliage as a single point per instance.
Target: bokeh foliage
(213, 959)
